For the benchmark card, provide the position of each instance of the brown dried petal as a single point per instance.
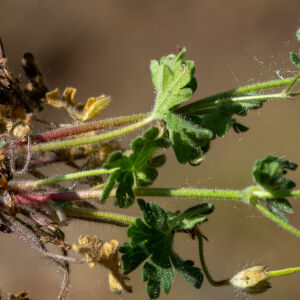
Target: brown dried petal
(19, 296)
(53, 98)
(69, 95)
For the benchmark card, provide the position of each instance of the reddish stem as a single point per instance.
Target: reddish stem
(51, 160)
(81, 128)
(40, 199)
(43, 162)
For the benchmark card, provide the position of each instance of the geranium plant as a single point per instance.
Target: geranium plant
(37, 211)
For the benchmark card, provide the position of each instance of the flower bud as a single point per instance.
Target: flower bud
(252, 280)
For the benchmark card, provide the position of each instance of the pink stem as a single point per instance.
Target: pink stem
(44, 162)
(79, 129)
(50, 160)
(40, 199)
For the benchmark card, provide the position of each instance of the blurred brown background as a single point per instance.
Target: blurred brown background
(105, 47)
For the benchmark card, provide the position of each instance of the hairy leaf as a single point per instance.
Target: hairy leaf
(220, 118)
(187, 270)
(295, 59)
(187, 137)
(133, 168)
(191, 131)
(159, 273)
(173, 81)
(279, 207)
(269, 174)
(152, 240)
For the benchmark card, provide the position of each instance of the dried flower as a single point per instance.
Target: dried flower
(19, 296)
(80, 112)
(106, 254)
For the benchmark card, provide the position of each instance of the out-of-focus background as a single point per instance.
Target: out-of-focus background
(105, 47)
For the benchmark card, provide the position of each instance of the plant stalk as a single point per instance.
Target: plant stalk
(275, 219)
(31, 184)
(42, 198)
(283, 272)
(222, 101)
(51, 146)
(83, 128)
(99, 216)
(203, 264)
(190, 108)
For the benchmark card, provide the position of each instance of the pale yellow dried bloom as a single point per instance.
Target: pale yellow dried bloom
(106, 254)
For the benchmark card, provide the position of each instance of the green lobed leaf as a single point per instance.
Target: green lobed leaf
(157, 161)
(269, 174)
(187, 137)
(134, 168)
(220, 118)
(134, 256)
(279, 207)
(158, 273)
(173, 81)
(152, 240)
(190, 132)
(194, 216)
(295, 59)
(187, 270)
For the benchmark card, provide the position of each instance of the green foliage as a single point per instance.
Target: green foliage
(173, 81)
(220, 118)
(135, 167)
(269, 174)
(187, 137)
(298, 34)
(295, 59)
(190, 133)
(174, 84)
(152, 240)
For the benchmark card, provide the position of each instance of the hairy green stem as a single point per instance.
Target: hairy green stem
(275, 194)
(240, 99)
(190, 108)
(41, 199)
(283, 272)
(91, 139)
(290, 86)
(186, 192)
(275, 219)
(27, 185)
(99, 216)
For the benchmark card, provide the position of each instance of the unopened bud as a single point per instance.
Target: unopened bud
(252, 280)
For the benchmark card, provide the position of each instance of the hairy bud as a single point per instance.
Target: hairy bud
(252, 280)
